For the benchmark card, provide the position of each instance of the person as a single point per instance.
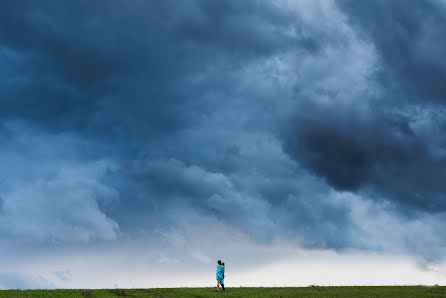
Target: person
(220, 275)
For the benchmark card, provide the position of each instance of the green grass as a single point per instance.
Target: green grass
(312, 291)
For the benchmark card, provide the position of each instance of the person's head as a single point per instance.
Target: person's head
(222, 263)
(219, 262)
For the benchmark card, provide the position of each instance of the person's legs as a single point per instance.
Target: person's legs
(223, 287)
(218, 286)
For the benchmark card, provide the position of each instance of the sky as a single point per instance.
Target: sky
(301, 142)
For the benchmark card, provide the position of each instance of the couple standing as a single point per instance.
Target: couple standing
(220, 275)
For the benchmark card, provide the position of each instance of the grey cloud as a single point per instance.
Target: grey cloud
(50, 196)
(118, 121)
(63, 275)
(380, 151)
(382, 142)
(13, 280)
(125, 70)
(407, 35)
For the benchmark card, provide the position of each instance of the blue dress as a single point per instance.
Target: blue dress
(220, 272)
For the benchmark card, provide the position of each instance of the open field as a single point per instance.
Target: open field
(354, 291)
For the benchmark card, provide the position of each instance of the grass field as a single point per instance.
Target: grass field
(384, 291)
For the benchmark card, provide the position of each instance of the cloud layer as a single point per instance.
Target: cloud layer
(317, 121)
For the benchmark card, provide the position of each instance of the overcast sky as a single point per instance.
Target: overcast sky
(302, 142)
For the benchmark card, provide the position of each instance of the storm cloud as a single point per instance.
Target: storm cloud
(389, 140)
(320, 122)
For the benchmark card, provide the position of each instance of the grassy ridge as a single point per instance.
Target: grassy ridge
(384, 291)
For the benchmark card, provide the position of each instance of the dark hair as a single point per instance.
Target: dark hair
(219, 262)
(222, 264)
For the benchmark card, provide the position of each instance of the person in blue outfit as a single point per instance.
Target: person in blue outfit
(220, 275)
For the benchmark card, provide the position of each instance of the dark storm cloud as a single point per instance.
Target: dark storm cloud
(408, 36)
(389, 142)
(141, 84)
(378, 150)
(127, 68)
(120, 120)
